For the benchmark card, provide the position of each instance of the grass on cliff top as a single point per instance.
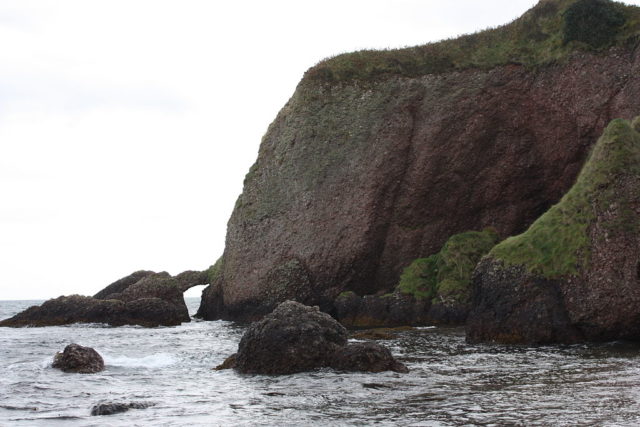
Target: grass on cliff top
(557, 244)
(545, 34)
(446, 275)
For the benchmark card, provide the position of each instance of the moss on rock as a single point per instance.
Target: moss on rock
(557, 244)
(446, 275)
(215, 271)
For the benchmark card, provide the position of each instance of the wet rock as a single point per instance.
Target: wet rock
(366, 357)
(389, 310)
(229, 363)
(380, 333)
(143, 298)
(293, 338)
(78, 359)
(110, 408)
(297, 338)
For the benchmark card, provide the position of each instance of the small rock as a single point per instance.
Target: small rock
(79, 359)
(229, 363)
(366, 357)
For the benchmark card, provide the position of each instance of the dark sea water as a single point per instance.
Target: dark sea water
(450, 383)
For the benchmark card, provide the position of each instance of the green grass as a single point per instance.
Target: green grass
(557, 244)
(446, 275)
(215, 271)
(535, 39)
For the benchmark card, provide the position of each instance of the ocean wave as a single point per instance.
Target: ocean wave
(152, 361)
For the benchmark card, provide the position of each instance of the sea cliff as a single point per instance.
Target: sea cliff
(379, 157)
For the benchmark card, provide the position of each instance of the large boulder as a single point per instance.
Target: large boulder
(380, 156)
(297, 338)
(574, 274)
(78, 359)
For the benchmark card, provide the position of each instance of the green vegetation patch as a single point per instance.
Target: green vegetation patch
(557, 244)
(545, 34)
(594, 22)
(446, 275)
(215, 271)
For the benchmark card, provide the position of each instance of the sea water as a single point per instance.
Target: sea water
(450, 382)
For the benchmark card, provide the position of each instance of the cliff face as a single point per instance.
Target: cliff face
(358, 177)
(574, 274)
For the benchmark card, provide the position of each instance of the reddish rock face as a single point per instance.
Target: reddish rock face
(354, 181)
(523, 295)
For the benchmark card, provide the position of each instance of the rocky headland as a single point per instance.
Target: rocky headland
(143, 298)
(381, 157)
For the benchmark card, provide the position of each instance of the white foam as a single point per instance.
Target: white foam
(158, 360)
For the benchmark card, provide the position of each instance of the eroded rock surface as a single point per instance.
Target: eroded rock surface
(78, 359)
(574, 275)
(297, 338)
(143, 298)
(357, 178)
(110, 408)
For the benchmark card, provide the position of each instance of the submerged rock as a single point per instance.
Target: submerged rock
(366, 357)
(574, 274)
(110, 408)
(78, 359)
(297, 338)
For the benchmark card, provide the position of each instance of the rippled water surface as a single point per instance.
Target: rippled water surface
(450, 383)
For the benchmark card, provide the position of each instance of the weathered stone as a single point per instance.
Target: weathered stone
(293, 338)
(573, 276)
(188, 279)
(366, 357)
(153, 300)
(122, 284)
(357, 179)
(110, 408)
(297, 338)
(78, 359)
(229, 363)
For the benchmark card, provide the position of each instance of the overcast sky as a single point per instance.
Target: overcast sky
(127, 126)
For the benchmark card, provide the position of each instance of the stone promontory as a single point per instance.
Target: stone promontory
(379, 157)
(143, 298)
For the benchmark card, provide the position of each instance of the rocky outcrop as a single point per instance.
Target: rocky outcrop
(143, 298)
(297, 338)
(432, 291)
(122, 284)
(574, 275)
(366, 357)
(110, 408)
(379, 157)
(78, 359)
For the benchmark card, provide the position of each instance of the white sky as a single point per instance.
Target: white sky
(127, 126)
